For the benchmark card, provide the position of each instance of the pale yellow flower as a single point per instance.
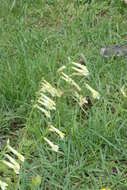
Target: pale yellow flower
(123, 91)
(61, 69)
(44, 111)
(70, 81)
(46, 104)
(105, 188)
(53, 129)
(80, 69)
(12, 160)
(3, 185)
(12, 166)
(46, 98)
(47, 87)
(95, 94)
(54, 147)
(125, 2)
(15, 152)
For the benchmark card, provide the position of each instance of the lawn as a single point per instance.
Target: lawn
(36, 39)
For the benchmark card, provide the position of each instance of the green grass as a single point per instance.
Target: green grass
(36, 38)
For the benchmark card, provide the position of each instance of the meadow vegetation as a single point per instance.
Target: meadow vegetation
(37, 38)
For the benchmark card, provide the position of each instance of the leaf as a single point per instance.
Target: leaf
(36, 181)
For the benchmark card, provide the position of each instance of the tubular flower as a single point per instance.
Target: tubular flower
(44, 111)
(123, 91)
(95, 94)
(54, 147)
(3, 185)
(125, 2)
(15, 152)
(15, 167)
(47, 87)
(70, 81)
(53, 129)
(47, 102)
(61, 69)
(80, 69)
(12, 160)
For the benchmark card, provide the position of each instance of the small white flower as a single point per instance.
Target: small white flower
(123, 91)
(12, 166)
(81, 69)
(125, 1)
(44, 111)
(61, 69)
(46, 104)
(70, 81)
(15, 152)
(95, 94)
(47, 87)
(3, 185)
(53, 129)
(47, 99)
(54, 147)
(43, 96)
(12, 160)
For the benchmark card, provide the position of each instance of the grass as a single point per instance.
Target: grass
(36, 38)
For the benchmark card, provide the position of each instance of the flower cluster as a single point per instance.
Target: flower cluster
(11, 162)
(46, 104)
(3, 185)
(123, 91)
(79, 70)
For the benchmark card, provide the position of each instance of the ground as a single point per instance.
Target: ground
(36, 38)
